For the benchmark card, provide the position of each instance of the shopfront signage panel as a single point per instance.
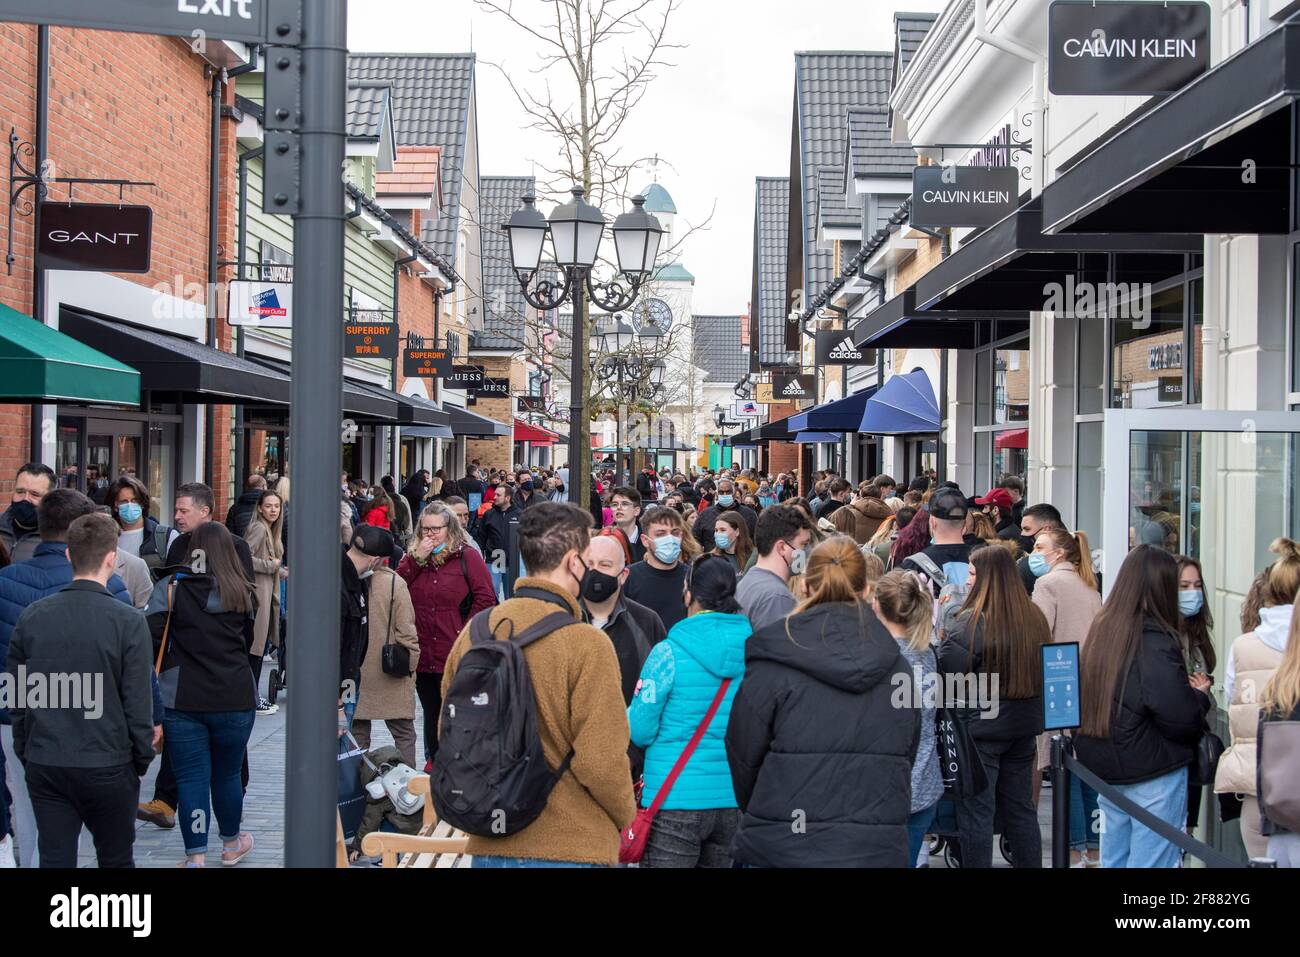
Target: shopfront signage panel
(796, 388)
(426, 363)
(963, 195)
(246, 21)
(262, 305)
(365, 340)
(837, 349)
(92, 237)
(1125, 49)
(469, 378)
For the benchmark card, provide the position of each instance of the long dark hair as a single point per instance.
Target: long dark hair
(744, 544)
(1013, 626)
(911, 539)
(223, 565)
(1197, 629)
(1146, 589)
(712, 583)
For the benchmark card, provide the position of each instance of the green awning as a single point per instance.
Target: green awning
(40, 364)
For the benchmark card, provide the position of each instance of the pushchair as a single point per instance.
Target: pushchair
(278, 679)
(944, 839)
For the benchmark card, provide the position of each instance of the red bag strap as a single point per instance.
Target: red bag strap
(667, 786)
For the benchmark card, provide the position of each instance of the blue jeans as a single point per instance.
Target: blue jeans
(917, 825)
(1085, 822)
(4, 800)
(1129, 843)
(207, 752)
(525, 862)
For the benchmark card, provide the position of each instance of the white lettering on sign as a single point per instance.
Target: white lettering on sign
(217, 8)
(1132, 48)
(63, 236)
(966, 196)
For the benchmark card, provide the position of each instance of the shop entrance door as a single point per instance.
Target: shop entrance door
(113, 449)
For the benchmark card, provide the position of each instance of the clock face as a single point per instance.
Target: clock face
(653, 311)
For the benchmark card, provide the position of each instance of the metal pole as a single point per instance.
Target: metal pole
(214, 213)
(311, 785)
(1060, 805)
(577, 396)
(241, 448)
(42, 138)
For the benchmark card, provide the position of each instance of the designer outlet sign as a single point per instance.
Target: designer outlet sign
(1125, 49)
(963, 195)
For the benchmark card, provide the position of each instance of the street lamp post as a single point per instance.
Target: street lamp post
(629, 376)
(576, 229)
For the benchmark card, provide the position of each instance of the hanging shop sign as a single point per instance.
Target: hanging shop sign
(794, 387)
(426, 363)
(262, 305)
(370, 340)
(763, 393)
(532, 403)
(493, 389)
(242, 20)
(1125, 49)
(95, 237)
(837, 349)
(469, 378)
(746, 409)
(963, 195)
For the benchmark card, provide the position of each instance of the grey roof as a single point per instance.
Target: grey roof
(504, 306)
(717, 348)
(771, 225)
(871, 150)
(826, 85)
(886, 207)
(367, 104)
(909, 30)
(432, 95)
(832, 200)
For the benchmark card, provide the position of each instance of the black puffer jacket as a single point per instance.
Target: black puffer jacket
(820, 758)
(1159, 721)
(962, 653)
(205, 668)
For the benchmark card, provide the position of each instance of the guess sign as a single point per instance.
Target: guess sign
(469, 378)
(95, 238)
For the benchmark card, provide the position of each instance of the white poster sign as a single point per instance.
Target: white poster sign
(263, 305)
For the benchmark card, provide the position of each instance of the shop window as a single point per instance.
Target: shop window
(1010, 386)
(161, 478)
(1156, 361)
(1091, 374)
(1010, 454)
(67, 454)
(1088, 490)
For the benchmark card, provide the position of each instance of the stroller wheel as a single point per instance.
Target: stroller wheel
(935, 844)
(952, 852)
(273, 685)
(1004, 846)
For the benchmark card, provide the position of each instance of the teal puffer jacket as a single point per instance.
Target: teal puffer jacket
(679, 680)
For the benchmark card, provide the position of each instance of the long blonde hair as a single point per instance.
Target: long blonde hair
(1076, 550)
(905, 601)
(884, 531)
(1282, 693)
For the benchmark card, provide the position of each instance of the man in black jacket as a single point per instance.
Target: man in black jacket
(725, 502)
(241, 511)
(84, 754)
(493, 533)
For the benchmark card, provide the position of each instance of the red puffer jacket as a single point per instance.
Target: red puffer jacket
(436, 593)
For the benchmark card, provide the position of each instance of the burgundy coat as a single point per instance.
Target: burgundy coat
(436, 593)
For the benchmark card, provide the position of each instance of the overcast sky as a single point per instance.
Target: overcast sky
(720, 117)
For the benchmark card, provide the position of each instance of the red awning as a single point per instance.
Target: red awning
(1015, 439)
(534, 434)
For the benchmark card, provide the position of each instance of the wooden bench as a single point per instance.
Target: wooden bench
(437, 844)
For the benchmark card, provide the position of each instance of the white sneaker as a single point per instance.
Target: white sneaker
(265, 707)
(7, 853)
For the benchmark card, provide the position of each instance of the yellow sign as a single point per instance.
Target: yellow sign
(763, 393)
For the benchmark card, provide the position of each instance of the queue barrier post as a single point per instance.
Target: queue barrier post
(1060, 804)
(512, 557)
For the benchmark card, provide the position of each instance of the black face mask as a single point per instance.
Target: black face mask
(598, 587)
(23, 514)
(1026, 543)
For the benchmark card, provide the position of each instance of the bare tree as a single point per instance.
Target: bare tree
(597, 61)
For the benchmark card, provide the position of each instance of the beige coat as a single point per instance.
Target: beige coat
(1067, 603)
(383, 697)
(266, 585)
(1253, 664)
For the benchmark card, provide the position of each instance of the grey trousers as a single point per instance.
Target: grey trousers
(402, 730)
(24, 818)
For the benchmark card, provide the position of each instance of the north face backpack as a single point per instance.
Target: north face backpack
(490, 777)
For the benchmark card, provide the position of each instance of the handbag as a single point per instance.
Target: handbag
(1279, 773)
(162, 647)
(396, 660)
(1208, 751)
(960, 764)
(633, 840)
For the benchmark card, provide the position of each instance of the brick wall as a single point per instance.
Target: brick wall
(497, 452)
(928, 253)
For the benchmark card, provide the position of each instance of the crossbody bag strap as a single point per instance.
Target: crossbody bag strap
(392, 608)
(167, 627)
(669, 781)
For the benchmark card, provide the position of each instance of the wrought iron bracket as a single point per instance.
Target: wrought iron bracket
(21, 179)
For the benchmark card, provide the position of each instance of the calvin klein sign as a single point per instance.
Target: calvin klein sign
(963, 195)
(95, 238)
(1125, 49)
(837, 349)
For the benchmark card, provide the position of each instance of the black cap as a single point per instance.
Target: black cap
(919, 483)
(373, 541)
(947, 504)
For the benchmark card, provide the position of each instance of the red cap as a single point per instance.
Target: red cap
(999, 497)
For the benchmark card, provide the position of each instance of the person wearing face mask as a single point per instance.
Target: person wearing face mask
(1067, 595)
(726, 500)
(656, 581)
(18, 529)
(783, 538)
(1034, 520)
(731, 541)
(371, 547)
(141, 534)
(1196, 636)
(581, 718)
(632, 627)
(998, 506)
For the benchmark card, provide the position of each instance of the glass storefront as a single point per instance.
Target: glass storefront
(1001, 402)
(95, 448)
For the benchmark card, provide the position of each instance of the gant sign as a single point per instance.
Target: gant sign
(95, 238)
(1114, 49)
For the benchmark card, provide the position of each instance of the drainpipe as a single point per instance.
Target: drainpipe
(42, 145)
(214, 211)
(394, 443)
(1037, 106)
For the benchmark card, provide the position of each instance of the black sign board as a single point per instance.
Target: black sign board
(532, 403)
(96, 238)
(493, 389)
(794, 387)
(1125, 49)
(963, 195)
(1170, 389)
(367, 340)
(794, 330)
(837, 349)
(426, 363)
(243, 20)
(469, 378)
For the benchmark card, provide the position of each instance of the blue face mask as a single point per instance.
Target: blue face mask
(130, 512)
(1038, 565)
(722, 540)
(765, 501)
(1190, 602)
(668, 548)
(726, 500)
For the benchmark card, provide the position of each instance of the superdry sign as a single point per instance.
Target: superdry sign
(426, 363)
(837, 349)
(95, 238)
(243, 20)
(1125, 49)
(963, 195)
(363, 340)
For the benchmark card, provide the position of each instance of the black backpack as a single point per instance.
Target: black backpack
(490, 777)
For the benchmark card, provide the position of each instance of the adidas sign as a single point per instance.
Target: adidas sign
(793, 389)
(846, 352)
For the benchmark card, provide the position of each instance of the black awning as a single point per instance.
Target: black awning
(1183, 166)
(193, 372)
(362, 402)
(1008, 265)
(466, 423)
(898, 324)
(777, 431)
